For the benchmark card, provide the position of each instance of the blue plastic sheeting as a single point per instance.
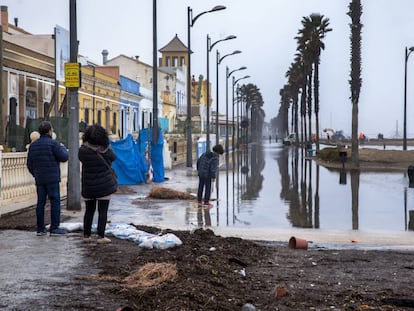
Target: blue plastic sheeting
(157, 160)
(130, 165)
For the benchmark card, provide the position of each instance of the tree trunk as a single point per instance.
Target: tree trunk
(309, 105)
(355, 145)
(316, 100)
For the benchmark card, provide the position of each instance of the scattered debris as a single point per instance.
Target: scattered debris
(152, 274)
(166, 193)
(281, 291)
(149, 275)
(237, 261)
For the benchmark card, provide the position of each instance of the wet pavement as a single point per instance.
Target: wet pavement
(25, 259)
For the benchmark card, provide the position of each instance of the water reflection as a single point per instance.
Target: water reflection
(251, 169)
(355, 198)
(279, 187)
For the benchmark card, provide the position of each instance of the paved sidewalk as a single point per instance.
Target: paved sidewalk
(28, 263)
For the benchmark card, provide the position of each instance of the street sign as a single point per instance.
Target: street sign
(72, 74)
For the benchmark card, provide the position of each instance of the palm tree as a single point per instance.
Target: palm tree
(310, 44)
(295, 77)
(254, 102)
(280, 124)
(355, 12)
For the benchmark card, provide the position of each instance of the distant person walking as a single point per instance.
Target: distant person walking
(98, 181)
(207, 171)
(43, 162)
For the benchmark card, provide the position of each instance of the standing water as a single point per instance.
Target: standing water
(273, 187)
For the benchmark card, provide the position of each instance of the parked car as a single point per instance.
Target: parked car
(288, 140)
(338, 136)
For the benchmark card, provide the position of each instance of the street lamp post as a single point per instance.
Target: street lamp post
(218, 62)
(234, 83)
(407, 54)
(228, 74)
(190, 23)
(233, 127)
(73, 184)
(209, 48)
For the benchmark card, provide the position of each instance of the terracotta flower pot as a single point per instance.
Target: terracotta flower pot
(281, 291)
(297, 243)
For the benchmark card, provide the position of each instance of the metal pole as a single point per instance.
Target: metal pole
(405, 101)
(217, 117)
(227, 135)
(208, 95)
(56, 80)
(238, 146)
(154, 75)
(217, 95)
(73, 189)
(232, 133)
(188, 120)
(238, 120)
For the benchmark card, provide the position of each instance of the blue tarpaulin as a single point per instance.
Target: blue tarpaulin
(130, 165)
(157, 160)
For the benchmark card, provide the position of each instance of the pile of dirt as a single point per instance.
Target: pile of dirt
(209, 272)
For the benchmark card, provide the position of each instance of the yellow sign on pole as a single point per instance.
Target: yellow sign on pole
(72, 74)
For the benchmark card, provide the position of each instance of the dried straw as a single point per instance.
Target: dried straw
(166, 193)
(152, 274)
(148, 275)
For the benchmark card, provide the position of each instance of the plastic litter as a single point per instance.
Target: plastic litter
(142, 238)
(129, 232)
(69, 226)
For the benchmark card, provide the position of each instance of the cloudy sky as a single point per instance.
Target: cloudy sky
(265, 31)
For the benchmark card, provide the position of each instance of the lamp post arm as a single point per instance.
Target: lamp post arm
(220, 60)
(245, 77)
(223, 57)
(408, 54)
(193, 20)
(216, 8)
(233, 71)
(221, 40)
(212, 45)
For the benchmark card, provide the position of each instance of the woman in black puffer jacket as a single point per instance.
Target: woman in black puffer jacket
(98, 182)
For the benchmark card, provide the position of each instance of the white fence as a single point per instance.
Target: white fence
(18, 189)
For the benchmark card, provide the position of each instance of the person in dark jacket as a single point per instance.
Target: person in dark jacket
(207, 170)
(43, 162)
(98, 180)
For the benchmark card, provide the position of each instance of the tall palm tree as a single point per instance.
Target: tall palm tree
(355, 12)
(282, 119)
(294, 75)
(254, 103)
(310, 43)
